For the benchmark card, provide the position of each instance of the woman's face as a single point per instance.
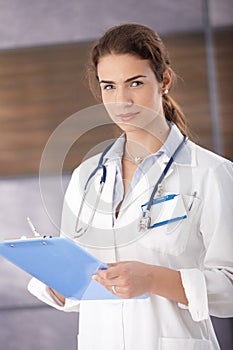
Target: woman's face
(130, 91)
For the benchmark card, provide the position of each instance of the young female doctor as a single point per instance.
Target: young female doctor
(156, 208)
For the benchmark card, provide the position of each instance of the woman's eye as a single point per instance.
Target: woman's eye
(108, 87)
(136, 83)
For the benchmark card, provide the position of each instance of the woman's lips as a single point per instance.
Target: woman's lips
(127, 116)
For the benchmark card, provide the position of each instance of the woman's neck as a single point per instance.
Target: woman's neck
(141, 142)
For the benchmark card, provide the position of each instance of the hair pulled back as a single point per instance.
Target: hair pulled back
(139, 40)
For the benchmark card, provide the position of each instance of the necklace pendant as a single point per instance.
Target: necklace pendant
(138, 160)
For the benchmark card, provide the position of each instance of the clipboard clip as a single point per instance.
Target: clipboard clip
(33, 229)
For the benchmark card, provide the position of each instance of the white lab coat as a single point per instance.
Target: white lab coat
(199, 246)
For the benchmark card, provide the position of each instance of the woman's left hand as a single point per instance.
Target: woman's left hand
(129, 278)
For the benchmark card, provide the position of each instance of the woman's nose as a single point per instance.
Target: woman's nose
(123, 96)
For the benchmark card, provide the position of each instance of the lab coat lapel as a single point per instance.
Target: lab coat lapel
(107, 194)
(105, 205)
(143, 188)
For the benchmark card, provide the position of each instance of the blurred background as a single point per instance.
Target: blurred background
(44, 48)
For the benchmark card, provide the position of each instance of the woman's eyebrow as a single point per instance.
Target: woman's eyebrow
(135, 77)
(106, 82)
(126, 81)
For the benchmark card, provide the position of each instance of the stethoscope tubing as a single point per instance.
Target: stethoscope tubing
(80, 232)
(162, 176)
(145, 219)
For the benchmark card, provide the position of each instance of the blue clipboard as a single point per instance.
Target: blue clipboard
(59, 263)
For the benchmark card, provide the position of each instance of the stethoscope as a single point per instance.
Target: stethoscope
(145, 220)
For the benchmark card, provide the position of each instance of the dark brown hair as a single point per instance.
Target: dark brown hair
(145, 43)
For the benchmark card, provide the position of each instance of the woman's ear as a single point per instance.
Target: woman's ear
(167, 80)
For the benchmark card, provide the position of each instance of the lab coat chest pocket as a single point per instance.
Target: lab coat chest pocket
(172, 236)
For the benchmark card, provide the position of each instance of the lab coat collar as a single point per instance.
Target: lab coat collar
(185, 157)
(117, 150)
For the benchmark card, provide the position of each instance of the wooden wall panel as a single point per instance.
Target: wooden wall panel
(40, 87)
(189, 58)
(224, 64)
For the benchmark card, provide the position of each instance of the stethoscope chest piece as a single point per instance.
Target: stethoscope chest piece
(144, 222)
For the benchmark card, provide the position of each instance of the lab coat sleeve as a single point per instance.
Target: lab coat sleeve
(209, 289)
(43, 293)
(71, 204)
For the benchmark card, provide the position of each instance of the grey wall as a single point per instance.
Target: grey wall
(29, 22)
(25, 322)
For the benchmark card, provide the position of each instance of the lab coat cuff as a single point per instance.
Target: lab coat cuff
(194, 284)
(45, 294)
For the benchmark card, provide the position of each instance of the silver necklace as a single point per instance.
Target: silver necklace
(136, 159)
